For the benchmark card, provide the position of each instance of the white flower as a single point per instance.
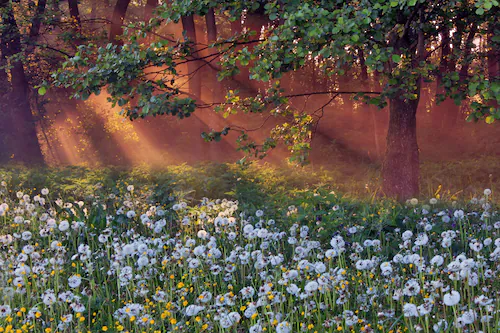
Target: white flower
(437, 260)
(468, 317)
(487, 192)
(64, 225)
(131, 214)
(459, 214)
(193, 310)
(45, 191)
(26, 235)
(422, 239)
(320, 268)
(311, 287)
(476, 246)
(407, 235)
(5, 311)
(412, 288)
(205, 297)
(386, 268)
(202, 234)
(410, 310)
(49, 298)
(74, 281)
(293, 289)
(441, 326)
(130, 188)
(414, 201)
(128, 249)
(452, 298)
(283, 327)
(433, 201)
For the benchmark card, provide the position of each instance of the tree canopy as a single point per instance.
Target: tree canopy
(394, 45)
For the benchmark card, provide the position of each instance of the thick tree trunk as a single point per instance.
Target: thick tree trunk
(24, 145)
(211, 26)
(74, 13)
(149, 8)
(116, 28)
(400, 171)
(192, 66)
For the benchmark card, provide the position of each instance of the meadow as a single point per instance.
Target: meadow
(217, 248)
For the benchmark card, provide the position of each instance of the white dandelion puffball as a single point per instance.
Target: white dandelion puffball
(452, 298)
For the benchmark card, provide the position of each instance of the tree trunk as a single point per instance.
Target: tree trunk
(445, 114)
(469, 44)
(400, 171)
(192, 66)
(364, 69)
(148, 9)
(446, 64)
(24, 146)
(74, 13)
(4, 79)
(36, 22)
(93, 10)
(116, 28)
(211, 26)
(236, 27)
(57, 11)
(493, 52)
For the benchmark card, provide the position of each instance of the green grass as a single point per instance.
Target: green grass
(257, 184)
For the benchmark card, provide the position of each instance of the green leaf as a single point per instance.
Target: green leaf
(42, 90)
(480, 11)
(355, 38)
(394, 3)
(396, 58)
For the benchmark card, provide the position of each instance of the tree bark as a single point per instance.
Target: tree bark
(93, 10)
(36, 22)
(446, 112)
(148, 9)
(74, 13)
(192, 66)
(24, 146)
(446, 64)
(4, 79)
(57, 11)
(211, 26)
(493, 52)
(236, 27)
(362, 64)
(469, 44)
(400, 171)
(116, 28)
